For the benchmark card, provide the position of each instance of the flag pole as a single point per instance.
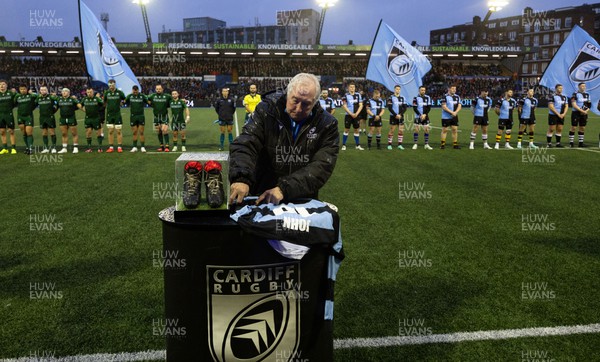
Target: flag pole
(82, 42)
(372, 45)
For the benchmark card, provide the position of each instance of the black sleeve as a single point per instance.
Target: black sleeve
(245, 149)
(390, 107)
(403, 107)
(309, 179)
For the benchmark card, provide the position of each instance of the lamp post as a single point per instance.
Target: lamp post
(493, 6)
(324, 4)
(142, 4)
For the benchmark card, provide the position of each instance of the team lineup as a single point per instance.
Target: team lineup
(357, 108)
(359, 112)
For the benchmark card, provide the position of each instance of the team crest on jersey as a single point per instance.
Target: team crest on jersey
(312, 135)
(400, 65)
(250, 315)
(586, 67)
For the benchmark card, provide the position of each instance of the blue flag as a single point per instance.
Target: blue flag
(576, 61)
(102, 58)
(394, 61)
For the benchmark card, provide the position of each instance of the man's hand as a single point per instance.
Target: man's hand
(272, 196)
(238, 191)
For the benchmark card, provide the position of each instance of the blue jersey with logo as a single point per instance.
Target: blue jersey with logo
(559, 101)
(396, 105)
(451, 102)
(327, 104)
(481, 106)
(422, 104)
(528, 107)
(506, 107)
(352, 101)
(376, 105)
(582, 100)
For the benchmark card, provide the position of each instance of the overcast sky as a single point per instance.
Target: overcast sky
(348, 20)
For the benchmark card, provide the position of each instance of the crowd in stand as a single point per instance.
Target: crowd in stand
(469, 79)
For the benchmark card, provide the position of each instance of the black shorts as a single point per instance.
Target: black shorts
(375, 123)
(578, 119)
(450, 122)
(553, 120)
(349, 121)
(363, 113)
(527, 121)
(481, 121)
(394, 121)
(505, 123)
(423, 122)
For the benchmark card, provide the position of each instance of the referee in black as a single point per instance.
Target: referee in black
(225, 108)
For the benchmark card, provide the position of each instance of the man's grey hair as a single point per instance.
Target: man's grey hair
(65, 89)
(304, 79)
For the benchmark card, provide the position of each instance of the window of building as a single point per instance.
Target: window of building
(512, 35)
(527, 28)
(544, 53)
(491, 25)
(568, 22)
(546, 39)
(557, 23)
(547, 23)
(544, 66)
(597, 24)
(455, 37)
(525, 68)
(536, 40)
(566, 35)
(463, 35)
(554, 50)
(442, 39)
(556, 39)
(534, 69)
(515, 22)
(526, 41)
(503, 24)
(536, 26)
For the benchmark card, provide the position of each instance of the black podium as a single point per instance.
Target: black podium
(237, 299)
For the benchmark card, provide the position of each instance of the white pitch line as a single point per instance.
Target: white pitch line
(98, 357)
(465, 336)
(588, 150)
(352, 343)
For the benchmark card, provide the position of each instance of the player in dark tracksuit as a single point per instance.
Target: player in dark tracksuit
(225, 108)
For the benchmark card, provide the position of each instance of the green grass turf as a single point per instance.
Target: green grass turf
(466, 222)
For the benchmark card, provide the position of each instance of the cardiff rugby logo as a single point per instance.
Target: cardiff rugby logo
(110, 60)
(586, 67)
(400, 65)
(250, 316)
